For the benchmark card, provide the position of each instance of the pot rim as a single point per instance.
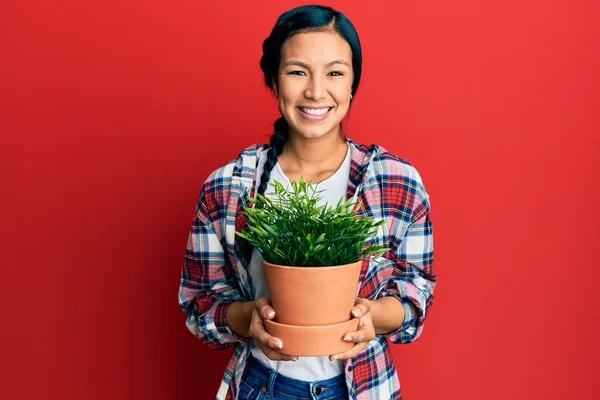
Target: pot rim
(312, 327)
(271, 265)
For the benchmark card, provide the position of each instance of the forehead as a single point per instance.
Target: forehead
(316, 48)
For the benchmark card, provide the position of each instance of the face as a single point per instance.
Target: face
(315, 83)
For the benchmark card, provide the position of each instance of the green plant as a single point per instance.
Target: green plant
(293, 230)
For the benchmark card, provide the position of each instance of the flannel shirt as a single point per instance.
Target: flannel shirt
(214, 272)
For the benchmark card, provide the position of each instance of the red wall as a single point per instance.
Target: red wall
(114, 112)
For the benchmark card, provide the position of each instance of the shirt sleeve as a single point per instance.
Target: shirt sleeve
(208, 285)
(413, 276)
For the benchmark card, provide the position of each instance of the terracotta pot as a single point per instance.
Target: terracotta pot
(317, 298)
(312, 295)
(313, 341)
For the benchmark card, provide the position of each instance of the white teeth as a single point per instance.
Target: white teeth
(312, 111)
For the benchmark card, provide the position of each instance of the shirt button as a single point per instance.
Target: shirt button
(350, 368)
(264, 389)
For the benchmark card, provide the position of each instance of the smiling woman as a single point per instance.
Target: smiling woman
(315, 85)
(312, 61)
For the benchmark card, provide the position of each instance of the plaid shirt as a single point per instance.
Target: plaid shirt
(215, 273)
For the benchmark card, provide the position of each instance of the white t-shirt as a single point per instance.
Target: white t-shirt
(306, 368)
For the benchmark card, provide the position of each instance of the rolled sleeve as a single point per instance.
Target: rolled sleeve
(413, 278)
(405, 332)
(208, 285)
(212, 328)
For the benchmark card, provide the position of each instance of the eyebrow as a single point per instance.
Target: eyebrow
(304, 65)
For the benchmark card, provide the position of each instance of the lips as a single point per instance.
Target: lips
(316, 111)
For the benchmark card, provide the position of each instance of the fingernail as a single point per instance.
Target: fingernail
(279, 345)
(295, 359)
(270, 314)
(354, 313)
(347, 338)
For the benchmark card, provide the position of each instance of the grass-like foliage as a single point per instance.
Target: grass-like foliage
(293, 230)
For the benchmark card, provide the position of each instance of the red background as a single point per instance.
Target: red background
(114, 112)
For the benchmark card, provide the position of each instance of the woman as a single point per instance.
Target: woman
(312, 61)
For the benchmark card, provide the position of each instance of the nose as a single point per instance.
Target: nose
(315, 89)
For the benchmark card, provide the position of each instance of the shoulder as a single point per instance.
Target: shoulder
(241, 167)
(217, 187)
(379, 159)
(395, 167)
(398, 179)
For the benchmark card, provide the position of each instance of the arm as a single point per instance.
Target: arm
(403, 286)
(413, 277)
(238, 317)
(208, 286)
(387, 313)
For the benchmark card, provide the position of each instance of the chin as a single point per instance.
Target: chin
(315, 133)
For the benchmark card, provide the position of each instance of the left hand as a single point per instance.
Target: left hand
(362, 336)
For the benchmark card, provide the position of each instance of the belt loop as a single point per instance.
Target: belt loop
(272, 377)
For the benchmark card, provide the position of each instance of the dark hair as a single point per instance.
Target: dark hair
(302, 19)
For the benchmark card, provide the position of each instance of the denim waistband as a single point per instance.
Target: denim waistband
(275, 383)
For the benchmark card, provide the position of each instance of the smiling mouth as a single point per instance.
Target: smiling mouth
(317, 112)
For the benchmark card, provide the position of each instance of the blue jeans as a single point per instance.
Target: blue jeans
(261, 382)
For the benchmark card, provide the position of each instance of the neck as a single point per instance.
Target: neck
(306, 153)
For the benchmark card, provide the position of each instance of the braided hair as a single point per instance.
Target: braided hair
(278, 139)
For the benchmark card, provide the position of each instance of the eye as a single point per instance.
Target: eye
(336, 73)
(299, 73)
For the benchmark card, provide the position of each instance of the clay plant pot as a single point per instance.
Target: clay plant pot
(312, 307)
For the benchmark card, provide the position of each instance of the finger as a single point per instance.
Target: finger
(275, 356)
(359, 336)
(353, 352)
(270, 345)
(264, 338)
(361, 307)
(257, 329)
(258, 303)
(263, 306)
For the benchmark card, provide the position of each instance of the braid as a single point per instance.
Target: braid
(278, 139)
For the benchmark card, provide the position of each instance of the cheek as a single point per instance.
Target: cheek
(287, 99)
(286, 106)
(343, 99)
(342, 94)
(289, 88)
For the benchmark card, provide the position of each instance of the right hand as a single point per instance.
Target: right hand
(270, 345)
